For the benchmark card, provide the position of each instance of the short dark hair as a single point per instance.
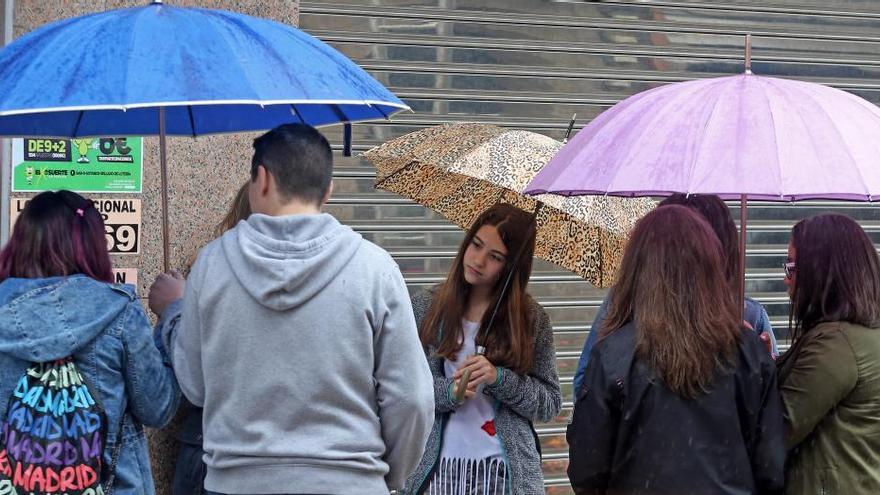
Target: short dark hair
(838, 273)
(299, 158)
(57, 234)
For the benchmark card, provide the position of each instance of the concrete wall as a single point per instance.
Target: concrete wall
(204, 172)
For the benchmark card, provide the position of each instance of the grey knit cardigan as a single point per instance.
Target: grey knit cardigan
(519, 399)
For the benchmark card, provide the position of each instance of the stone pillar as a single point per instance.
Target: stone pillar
(204, 173)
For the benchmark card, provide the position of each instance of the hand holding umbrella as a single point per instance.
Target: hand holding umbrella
(465, 388)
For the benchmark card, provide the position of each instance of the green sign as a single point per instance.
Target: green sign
(95, 165)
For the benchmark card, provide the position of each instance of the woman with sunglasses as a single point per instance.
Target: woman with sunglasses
(830, 378)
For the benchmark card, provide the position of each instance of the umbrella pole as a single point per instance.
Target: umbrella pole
(743, 210)
(743, 218)
(164, 171)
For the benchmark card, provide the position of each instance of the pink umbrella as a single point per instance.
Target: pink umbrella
(742, 136)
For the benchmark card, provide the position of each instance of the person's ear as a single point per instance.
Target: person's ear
(327, 194)
(263, 180)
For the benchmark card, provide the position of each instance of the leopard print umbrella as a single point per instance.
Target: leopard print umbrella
(460, 170)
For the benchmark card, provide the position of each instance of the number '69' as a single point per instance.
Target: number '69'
(120, 238)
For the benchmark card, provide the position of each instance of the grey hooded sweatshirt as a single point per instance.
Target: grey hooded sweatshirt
(298, 339)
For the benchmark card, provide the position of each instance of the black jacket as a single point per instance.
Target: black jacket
(630, 434)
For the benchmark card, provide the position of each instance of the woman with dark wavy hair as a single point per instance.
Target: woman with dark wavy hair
(679, 397)
(830, 378)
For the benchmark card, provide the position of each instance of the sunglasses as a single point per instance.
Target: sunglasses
(789, 268)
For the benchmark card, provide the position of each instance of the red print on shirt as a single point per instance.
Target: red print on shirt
(489, 427)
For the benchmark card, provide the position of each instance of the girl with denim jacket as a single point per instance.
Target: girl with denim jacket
(483, 440)
(57, 300)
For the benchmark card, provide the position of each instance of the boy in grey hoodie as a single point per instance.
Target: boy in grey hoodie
(298, 339)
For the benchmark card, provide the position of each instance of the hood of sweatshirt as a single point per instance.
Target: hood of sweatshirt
(282, 262)
(45, 319)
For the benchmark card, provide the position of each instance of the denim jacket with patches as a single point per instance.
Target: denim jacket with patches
(104, 327)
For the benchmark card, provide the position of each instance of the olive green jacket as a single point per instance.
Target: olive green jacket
(830, 386)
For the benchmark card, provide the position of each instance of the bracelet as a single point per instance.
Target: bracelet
(500, 378)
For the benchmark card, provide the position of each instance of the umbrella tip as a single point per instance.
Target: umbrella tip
(570, 127)
(748, 57)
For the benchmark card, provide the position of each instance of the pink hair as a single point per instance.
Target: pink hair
(51, 238)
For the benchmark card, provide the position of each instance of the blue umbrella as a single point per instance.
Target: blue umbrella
(214, 71)
(164, 70)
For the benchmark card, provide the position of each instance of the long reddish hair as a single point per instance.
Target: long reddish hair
(672, 284)
(57, 234)
(510, 341)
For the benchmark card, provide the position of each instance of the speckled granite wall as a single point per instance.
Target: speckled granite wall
(204, 173)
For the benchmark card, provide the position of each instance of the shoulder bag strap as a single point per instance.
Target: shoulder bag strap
(114, 459)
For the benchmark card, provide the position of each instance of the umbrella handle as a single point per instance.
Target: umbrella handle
(462, 386)
(466, 377)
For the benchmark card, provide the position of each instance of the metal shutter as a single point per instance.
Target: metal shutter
(530, 64)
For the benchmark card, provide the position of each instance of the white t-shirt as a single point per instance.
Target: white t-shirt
(470, 430)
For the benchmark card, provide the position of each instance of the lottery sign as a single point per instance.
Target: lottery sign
(122, 222)
(101, 164)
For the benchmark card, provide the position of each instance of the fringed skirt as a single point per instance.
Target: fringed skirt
(469, 477)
